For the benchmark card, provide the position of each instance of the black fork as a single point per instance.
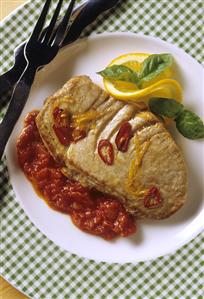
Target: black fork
(40, 49)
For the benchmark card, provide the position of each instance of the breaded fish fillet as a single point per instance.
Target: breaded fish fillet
(149, 177)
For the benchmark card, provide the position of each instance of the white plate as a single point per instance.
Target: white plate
(154, 238)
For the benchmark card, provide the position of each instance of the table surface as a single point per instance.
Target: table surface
(6, 290)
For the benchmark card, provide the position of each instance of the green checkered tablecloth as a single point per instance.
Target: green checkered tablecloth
(41, 269)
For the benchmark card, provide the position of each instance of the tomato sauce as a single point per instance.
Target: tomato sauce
(91, 211)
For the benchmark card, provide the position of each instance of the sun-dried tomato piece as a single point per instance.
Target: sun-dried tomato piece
(106, 152)
(63, 128)
(123, 137)
(57, 113)
(63, 134)
(153, 198)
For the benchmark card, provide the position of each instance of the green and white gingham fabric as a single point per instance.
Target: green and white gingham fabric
(38, 267)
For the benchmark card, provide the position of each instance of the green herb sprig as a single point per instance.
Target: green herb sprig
(187, 122)
(152, 66)
(121, 73)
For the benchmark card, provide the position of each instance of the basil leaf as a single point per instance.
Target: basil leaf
(166, 107)
(190, 125)
(119, 72)
(153, 66)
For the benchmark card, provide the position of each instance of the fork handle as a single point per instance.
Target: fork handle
(5, 83)
(87, 13)
(17, 103)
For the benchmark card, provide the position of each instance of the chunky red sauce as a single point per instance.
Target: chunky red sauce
(92, 211)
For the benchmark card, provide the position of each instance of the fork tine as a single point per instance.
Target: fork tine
(53, 21)
(41, 21)
(61, 30)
